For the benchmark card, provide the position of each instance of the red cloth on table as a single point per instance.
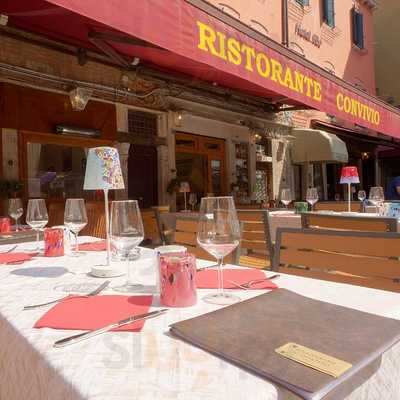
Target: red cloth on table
(208, 278)
(88, 313)
(10, 258)
(100, 245)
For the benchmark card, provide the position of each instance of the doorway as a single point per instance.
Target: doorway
(142, 175)
(200, 161)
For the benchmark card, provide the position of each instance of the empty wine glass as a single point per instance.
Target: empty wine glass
(376, 196)
(312, 196)
(219, 234)
(75, 219)
(286, 197)
(126, 234)
(362, 195)
(37, 217)
(193, 200)
(15, 210)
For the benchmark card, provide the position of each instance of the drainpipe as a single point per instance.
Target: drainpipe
(285, 23)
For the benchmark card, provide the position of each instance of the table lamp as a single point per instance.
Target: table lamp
(103, 172)
(349, 176)
(184, 188)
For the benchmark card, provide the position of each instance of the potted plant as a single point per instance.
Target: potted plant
(9, 188)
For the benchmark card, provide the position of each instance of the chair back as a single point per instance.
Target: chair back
(163, 232)
(370, 259)
(152, 233)
(355, 206)
(256, 238)
(56, 213)
(96, 225)
(349, 222)
(186, 235)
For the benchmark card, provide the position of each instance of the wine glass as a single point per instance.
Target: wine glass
(37, 217)
(15, 210)
(312, 196)
(376, 196)
(286, 197)
(75, 219)
(193, 200)
(126, 234)
(362, 195)
(219, 234)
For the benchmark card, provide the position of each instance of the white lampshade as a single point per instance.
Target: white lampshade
(184, 187)
(103, 169)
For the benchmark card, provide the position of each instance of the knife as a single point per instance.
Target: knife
(87, 335)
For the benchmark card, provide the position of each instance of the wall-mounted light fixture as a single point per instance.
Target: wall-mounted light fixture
(79, 97)
(178, 118)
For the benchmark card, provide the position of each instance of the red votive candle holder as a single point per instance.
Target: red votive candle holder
(178, 280)
(53, 242)
(5, 225)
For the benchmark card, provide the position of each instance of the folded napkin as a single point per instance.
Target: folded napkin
(100, 245)
(15, 258)
(208, 278)
(88, 313)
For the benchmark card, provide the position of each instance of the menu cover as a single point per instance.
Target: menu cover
(249, 333)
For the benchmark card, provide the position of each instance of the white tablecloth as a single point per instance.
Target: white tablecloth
(149, 364)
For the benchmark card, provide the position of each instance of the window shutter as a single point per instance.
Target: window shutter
(358, 29)
(329, 12)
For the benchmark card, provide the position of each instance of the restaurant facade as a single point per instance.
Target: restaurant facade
(208, 100)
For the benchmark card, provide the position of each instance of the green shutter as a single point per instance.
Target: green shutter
(329, 12)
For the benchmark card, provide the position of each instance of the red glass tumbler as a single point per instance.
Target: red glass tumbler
(53, 242)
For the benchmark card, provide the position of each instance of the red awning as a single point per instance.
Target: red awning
(183, 36)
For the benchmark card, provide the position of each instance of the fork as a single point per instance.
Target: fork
(249, 284)
(9, 250)
(91, 294)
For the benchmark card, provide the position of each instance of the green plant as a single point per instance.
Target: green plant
(9, 187)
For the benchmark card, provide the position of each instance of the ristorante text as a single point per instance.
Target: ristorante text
(235, 52)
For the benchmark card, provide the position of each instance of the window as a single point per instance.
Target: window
(329, 13)
(303, 2)
(142, 123)
(358, 28)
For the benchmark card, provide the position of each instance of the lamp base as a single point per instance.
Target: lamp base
(105, 271)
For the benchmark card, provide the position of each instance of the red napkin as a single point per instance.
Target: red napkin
(90, 313)
(101, 245)
(14, 258)
(208, 279)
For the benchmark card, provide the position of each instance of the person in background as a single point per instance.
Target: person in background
(393, 190)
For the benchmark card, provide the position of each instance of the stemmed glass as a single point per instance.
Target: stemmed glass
(362, 195)
(376, 196)
(312, 196)
(15, 210)
(37, 217)
(75, 219)
(219, 234)
(286, 197)
(126, 234)
(192, 200)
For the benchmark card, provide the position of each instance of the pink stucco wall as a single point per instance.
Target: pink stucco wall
(336, 51)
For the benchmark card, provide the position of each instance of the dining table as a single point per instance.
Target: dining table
(150, 364)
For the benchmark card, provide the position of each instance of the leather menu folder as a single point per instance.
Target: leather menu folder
(248, 333)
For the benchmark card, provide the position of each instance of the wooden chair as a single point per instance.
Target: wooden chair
(165, 234)
(152, 233)
(186, 235)
(348, 222)
(96, 225)
(368, 259)
(355, 206)
(256, 247)
(56, 213)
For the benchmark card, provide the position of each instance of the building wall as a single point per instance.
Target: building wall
(336, 50)
(386, 48)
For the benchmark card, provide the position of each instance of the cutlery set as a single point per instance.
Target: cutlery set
(153, 314)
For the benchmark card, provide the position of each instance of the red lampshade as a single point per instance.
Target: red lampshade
(349, 175)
